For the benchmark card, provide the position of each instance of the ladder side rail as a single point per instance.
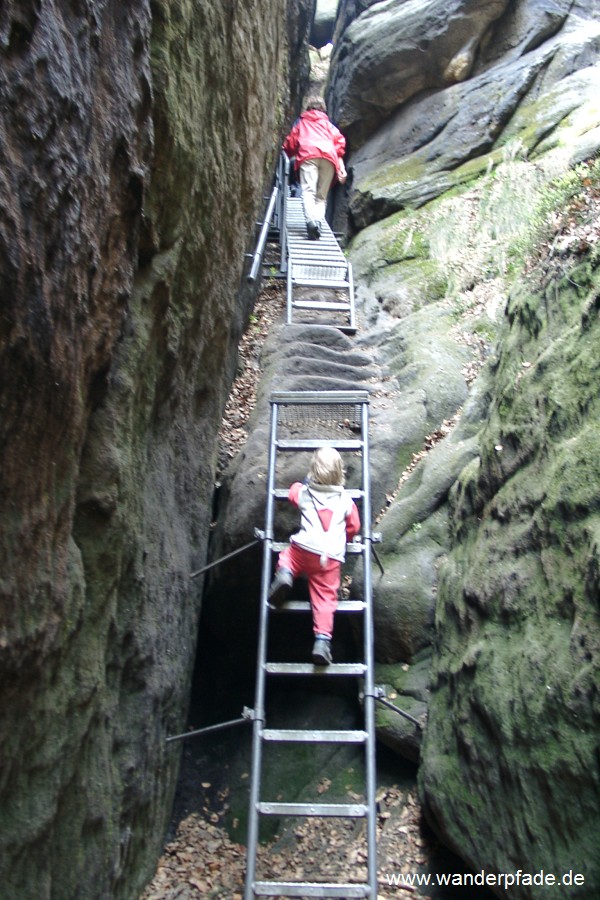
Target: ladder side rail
(284, 168)
(369, 701)
(259, 696)
(279, 180)
(289, 290)
(351, 297)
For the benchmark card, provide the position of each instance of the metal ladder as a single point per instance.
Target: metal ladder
(301, 422)
(318, 264)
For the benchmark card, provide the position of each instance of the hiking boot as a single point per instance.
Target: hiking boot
(314, 229)
(321, 653)
(280, 587)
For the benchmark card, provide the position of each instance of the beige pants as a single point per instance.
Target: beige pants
(316, 176)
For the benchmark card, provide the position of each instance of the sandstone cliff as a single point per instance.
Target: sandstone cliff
(135, 143)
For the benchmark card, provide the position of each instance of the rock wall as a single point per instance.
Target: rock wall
(136, 141)
(510, 767)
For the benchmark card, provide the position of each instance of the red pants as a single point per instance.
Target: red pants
(323, 583)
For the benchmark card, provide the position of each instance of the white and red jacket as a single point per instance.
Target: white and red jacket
(313, 136)
(329, 518)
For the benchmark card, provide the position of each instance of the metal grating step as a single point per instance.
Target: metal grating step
(326, 249)
(309, 889)
(333, 810)
(327, 261)
(273, 668)
(319, 398)
(305, 736)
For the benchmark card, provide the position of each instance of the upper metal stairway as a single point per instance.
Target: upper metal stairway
(320, 285)
(300, 423)
(317, 264)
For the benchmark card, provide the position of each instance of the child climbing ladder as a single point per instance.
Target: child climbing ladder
(329, 518)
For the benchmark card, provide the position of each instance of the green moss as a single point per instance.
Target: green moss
(411, 169)
(404, 241)
(405, 455)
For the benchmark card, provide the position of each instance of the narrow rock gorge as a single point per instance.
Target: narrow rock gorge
(137, 142)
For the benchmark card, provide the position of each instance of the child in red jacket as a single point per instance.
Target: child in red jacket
(330, 518)
(317, 147)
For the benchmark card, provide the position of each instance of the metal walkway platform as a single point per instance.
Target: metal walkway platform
(321, 266)
(300, 422)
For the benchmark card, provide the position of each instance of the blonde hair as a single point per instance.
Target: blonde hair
(326, 467)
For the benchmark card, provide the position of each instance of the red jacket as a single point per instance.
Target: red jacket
(314, 137)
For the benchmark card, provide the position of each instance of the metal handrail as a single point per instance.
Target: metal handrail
(262, 238)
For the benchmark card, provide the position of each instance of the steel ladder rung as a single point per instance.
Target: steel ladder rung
(273, 668)
(305, 273)
(282, 493)
(314, 736)
(318, 280)
(311, 260)
(304, 606)
(299, 239)
(309, 889)
(354, 548)
(310, 810)
(314, 261)
(299, 246)
(320, 398)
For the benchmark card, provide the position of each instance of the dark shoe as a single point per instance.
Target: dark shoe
(321, 653)
(314, 229)
(280, 587)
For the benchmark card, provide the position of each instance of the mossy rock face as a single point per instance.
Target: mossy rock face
(514, 713)
(127, 132)
(405, 687)
(415, 538)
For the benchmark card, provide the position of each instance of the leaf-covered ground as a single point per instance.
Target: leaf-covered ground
(202, 860)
